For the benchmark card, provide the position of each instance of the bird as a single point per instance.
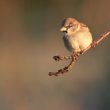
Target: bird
(76, 35)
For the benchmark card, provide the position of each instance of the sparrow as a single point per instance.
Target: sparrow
(76, 35)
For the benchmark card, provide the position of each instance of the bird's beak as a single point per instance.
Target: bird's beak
(63, 29)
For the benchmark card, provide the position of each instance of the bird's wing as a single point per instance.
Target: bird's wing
(84, 26)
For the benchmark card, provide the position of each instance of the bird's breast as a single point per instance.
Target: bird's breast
(78, 41)
(70, 43)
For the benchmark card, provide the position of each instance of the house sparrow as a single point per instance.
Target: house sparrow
(77, 36)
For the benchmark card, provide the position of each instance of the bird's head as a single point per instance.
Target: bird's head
(70, 26)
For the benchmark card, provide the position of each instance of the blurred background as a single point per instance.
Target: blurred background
(30, 36)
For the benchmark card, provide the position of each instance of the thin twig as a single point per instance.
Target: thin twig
(74, 57)
(66, 68)
(58, 58)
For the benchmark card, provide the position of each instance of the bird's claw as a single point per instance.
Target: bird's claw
(94, 43)
(76, 55)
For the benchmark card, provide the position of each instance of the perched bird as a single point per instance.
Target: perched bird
(77, 36)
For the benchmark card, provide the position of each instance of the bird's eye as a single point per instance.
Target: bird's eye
(69, 26)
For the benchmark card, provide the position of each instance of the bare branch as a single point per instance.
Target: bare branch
(74, 57)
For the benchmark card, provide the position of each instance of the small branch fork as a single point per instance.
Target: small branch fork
(75, 56)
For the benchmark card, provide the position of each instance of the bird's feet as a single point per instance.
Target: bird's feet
(77, 54)
(94, 43)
